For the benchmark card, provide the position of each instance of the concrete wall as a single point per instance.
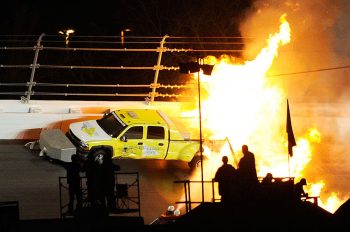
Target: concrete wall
(20, 120)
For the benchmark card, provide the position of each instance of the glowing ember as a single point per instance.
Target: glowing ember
(241, 106)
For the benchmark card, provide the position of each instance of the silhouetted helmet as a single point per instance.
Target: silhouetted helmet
(224, 159)
(74, 158)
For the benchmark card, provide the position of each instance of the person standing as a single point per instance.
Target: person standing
(247, 172)
(108, 181)
(95, 181)
(225, 177)
(73, 169)
(101, 181)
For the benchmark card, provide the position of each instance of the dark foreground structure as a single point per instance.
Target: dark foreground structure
(303, 216)
(273, 215)
(272, 207)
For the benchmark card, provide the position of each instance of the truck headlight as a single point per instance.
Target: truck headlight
(84, 145)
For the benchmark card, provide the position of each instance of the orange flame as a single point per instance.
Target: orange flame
(242, 107)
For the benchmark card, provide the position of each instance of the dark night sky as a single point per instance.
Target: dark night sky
(151, 17)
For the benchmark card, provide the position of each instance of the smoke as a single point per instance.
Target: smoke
(313, 80)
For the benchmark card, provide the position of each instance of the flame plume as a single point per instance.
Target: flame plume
(243, 107)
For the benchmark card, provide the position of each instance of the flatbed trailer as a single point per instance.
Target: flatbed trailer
(56, 145)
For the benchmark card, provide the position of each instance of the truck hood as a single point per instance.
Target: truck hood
(88, 131)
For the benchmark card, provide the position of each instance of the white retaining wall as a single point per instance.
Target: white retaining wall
(20, 120)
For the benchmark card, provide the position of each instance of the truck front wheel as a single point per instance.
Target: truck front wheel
(98, 155)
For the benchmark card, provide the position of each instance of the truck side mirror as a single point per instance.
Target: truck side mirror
(123, 138)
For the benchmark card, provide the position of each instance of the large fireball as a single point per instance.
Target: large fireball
(241, 106)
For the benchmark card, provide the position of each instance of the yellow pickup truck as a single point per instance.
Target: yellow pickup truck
(135, 134)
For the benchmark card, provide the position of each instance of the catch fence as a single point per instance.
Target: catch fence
(45, 67)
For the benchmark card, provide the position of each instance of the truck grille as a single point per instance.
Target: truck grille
(74, 139)
(77, 143)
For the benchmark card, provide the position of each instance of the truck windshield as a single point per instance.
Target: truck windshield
(111, 124)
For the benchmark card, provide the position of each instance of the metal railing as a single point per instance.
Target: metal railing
(126, 192)
(283, 183)
(100, 67)
(187, 190)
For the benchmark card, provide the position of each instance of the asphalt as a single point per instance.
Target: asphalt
(33, 181)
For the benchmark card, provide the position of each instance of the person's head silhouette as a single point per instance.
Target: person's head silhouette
(74, 158)
(225, 159)
(269, 177)
(244, 149)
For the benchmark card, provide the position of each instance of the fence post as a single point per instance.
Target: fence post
(158, 67)
(38, 47)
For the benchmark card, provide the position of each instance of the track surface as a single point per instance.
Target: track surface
(34, 182)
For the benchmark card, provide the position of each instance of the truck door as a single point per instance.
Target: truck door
(156, 143)
(131, 143)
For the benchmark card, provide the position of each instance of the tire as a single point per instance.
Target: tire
(195, 162)
(98, 155)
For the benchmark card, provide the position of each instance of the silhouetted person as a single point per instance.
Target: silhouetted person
(108, 181)
(225, 176)
(73, 179)
(89, 180)
(267, 186)
(299, 189)
(248, 178)
(101, 181)
(92, 176)
(267, 179)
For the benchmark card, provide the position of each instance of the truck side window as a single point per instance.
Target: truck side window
(135, 132)
(155, 132)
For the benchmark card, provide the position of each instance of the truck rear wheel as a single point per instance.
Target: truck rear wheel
(195, 162)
